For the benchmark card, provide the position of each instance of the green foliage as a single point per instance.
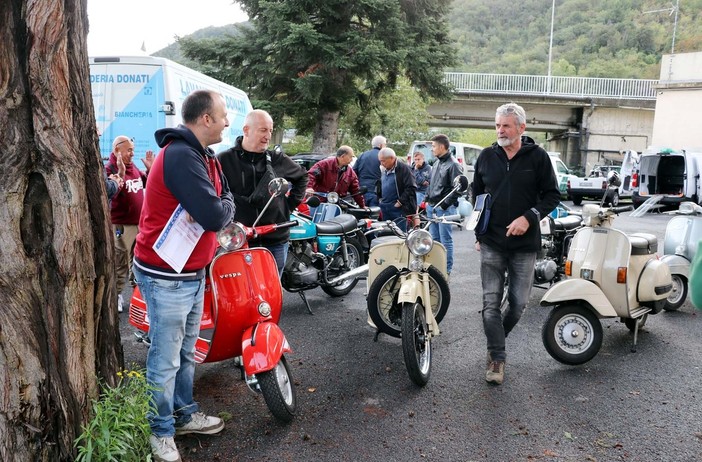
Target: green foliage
(118, 430)
(307, 59)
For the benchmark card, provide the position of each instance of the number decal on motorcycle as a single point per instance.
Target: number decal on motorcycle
(330, 247)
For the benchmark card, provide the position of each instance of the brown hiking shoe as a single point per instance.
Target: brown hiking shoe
(495, 372)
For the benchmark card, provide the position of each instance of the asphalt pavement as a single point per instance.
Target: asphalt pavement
(356, 401)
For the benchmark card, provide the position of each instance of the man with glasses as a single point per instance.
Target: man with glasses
(125, 207)
(249, 166)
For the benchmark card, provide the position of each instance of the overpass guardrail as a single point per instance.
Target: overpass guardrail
(559, 86)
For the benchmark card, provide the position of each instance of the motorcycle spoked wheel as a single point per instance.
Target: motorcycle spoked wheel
(384, 310)
(279, 391)
(355, 252)
(572, 334)
(416, 343)
(678, 295)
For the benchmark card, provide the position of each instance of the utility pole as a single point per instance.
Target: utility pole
(550, 47)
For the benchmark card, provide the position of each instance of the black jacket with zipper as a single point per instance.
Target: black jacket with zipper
(248, 178)
(530, 191)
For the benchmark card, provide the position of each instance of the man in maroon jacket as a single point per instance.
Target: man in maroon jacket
(126, 207)
(334, 174)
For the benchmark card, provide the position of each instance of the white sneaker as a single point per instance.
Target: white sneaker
(164, 449)
(202, 424)
(120, 303)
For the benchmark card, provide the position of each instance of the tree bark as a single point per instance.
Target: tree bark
(59, 329)
(326, 132)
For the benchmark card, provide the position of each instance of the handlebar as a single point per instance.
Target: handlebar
(622, 209)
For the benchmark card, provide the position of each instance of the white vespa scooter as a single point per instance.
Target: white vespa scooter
(408, 291)
(682, 234)
(609, 274)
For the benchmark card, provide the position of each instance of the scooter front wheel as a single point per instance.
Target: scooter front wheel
(572, 334)
(383, 308)
(416, 343)
(678, 294)
(278, 391)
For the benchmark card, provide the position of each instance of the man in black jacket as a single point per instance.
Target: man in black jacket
(248, 167)
(519, 176)
(398, 190)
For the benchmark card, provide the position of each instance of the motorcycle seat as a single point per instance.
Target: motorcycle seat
(643, 244)
(338, 225)
(568, 222)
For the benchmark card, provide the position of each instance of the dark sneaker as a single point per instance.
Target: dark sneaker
(202, 424)
(163, 449)
(495, 372)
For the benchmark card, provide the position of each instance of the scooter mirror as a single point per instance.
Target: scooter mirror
(613, 179)
(461, 182)
(278, 186)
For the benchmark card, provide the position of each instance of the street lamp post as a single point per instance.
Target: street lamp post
(550, 47)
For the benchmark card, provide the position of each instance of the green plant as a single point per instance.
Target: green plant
(118, 430)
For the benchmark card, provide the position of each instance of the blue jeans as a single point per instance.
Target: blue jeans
(175, 310)
(494, 264)
(420, 197)
(390, 212)
(280, 253)
(442, 232)
(371, 199)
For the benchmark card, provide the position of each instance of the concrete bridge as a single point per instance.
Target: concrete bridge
(587, 120)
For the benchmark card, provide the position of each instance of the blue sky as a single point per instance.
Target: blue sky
(119, 27)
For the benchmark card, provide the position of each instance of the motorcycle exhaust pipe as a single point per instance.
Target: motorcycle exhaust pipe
(361, 270)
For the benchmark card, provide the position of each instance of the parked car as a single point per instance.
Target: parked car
(563, 174)
(465, 154)
(308, 159)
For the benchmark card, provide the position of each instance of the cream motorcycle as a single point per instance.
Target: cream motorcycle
(408, 291)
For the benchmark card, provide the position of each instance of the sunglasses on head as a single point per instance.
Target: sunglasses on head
(124, 141)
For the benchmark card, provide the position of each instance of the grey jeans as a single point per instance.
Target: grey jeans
(494, 265)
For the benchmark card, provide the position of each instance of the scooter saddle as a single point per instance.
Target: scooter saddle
(338, 225)
(567, 223)
(643, 244)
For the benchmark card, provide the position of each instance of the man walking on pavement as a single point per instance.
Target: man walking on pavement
(520, 179)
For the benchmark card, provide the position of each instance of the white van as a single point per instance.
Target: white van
(465, 154)
(674, 175)
(137, 95)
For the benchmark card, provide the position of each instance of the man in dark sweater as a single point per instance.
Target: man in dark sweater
(519, 176)
(249, 166)
(398, 191)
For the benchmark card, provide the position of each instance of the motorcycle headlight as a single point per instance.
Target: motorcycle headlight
(232, 237)
(419, 242)
(264, 309)
(333, 198)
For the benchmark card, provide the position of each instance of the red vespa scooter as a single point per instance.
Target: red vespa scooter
(243, 300)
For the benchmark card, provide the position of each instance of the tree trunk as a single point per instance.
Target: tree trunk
(59, 329)
(325, 132)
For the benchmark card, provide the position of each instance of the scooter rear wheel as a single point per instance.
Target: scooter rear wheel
(678, 295)
(416, 343)
(572, 334)
(279, 391)
(384, 310)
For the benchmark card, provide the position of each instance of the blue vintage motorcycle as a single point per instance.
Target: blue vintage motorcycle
(326, 250)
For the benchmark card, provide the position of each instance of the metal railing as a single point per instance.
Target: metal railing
(577, 87)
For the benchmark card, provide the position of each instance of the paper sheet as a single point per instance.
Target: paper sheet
(178, 239)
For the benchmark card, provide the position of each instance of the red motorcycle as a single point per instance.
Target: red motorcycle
(243, 300)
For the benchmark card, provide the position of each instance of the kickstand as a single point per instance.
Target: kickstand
(636, 334)
(304, 299)
(377, 334)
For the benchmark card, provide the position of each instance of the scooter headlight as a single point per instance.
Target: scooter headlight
(264, 309)
(333, 197)
(232, 237)
(419, 242)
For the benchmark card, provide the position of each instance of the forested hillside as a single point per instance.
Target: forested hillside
(592, 38)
